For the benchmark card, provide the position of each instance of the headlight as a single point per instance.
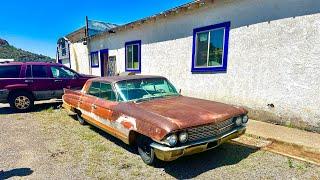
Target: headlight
(245, 119)
(238, 121)
(172, 139)
(183, 137)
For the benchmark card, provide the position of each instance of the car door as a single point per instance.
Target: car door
(39, 81)
(61, 78)
(103, 109)
(87, 100)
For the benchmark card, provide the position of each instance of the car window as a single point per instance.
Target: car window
(106, 92)
(39, 71)
(10, 71)
(94, 89)
(61, 72)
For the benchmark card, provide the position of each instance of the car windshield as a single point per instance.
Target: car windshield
(144, 89)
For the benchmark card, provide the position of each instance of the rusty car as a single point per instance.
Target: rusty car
(148, 112)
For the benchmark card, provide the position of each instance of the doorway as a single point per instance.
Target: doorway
(108, 64)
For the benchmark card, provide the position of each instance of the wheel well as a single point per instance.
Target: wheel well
(77, 111)
(12, 92)
(134, 135)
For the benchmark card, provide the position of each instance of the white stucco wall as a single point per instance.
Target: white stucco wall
(79, 58)
(274, 56)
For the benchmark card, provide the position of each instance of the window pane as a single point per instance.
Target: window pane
(28, 72)
(94, 89)
(10, 71)
(216, 47)
(107, 92)
(202, 49)
(61, 72)
(94, 59)
(129, 56)
(135, 56)
(39, 71)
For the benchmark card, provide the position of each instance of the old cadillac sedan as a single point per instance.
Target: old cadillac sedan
(148, 112)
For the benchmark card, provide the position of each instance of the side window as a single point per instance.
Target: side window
(133, 56)
(10, 71)
(39, 71)
(28, 71)
(94, 89)
(61, 72)
(210, 48)
(107, 92)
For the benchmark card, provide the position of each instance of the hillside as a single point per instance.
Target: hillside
(8, 51)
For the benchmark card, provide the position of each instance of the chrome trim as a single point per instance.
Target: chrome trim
(162, 147)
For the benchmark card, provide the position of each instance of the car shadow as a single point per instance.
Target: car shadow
(191, 166)
(18, 172)
(5, 108)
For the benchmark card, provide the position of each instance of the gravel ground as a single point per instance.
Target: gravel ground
(48, 144)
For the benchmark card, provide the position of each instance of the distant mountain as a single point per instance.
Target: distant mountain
(8, 51)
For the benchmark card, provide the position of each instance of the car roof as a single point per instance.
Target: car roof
(112, 79)
(29, 63)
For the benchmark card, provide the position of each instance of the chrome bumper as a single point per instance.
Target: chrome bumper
(166, 153)
(4, 95)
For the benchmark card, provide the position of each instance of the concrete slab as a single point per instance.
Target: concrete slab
(308, 140)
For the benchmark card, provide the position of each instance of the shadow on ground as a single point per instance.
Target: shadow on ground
(19, 172)
(191, 166)
(5, 109)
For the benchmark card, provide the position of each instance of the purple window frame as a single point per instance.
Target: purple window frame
(139, 55)
(223, 68)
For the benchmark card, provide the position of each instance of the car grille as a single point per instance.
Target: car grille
(211, 130)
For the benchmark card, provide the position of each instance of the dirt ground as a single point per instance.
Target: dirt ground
(48, 144)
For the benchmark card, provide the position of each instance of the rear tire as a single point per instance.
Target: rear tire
(21, 101)
(145, 151)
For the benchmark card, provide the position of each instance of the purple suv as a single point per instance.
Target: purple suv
(22, 83)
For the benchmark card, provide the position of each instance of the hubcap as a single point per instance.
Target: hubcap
(22, 102)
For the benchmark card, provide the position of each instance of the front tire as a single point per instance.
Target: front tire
(81, 120)
(21, 101)
(145, 151)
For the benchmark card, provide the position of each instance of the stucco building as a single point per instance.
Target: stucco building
(264, 55)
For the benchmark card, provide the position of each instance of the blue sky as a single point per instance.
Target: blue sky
(35, 25)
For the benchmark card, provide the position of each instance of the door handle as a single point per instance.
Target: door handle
(94, 106)
(57, 80)
(28, 81)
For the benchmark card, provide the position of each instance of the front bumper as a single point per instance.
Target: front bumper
(4, 95)
(166, 153)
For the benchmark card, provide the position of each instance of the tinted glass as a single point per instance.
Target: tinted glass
(10, 71)
(61, 72)
(216, 47)
(28, 72)
(129, 57)
(135, 56)
(94, 89)
(202, 49)
(39, 71)
(106, 92)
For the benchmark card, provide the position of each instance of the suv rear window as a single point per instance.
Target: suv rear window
(12, 71)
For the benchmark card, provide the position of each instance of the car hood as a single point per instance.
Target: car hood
(188, 112)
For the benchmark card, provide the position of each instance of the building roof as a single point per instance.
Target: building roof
(94, 27)
(171, 12)
(98, 28)
(112, 79)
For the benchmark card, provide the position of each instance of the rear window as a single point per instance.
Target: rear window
(10, 71)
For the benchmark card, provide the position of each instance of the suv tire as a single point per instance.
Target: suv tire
(21, 101)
